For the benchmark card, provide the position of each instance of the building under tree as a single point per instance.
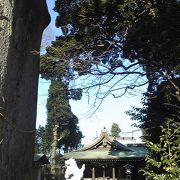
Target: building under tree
(108, 159)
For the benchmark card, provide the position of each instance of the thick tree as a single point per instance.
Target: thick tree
(21, 27)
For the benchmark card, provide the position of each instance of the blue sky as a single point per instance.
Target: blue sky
(112, 110)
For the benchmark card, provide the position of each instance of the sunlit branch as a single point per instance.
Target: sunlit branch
(126, 88)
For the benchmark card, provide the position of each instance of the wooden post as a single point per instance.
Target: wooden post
(39, 174)
(93, 173)
(113, 173)
(104, 173)
(119, 172)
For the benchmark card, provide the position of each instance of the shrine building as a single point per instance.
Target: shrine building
(108, 159)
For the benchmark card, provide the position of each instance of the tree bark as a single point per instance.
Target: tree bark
(21, 26)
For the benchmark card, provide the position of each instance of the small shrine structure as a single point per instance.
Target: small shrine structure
(39, 161)
(107, 159)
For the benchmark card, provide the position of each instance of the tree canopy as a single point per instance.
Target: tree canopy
(121, 38)
(115, 130)
(111, 41)
(117, 44)
(108, 42)
(157, 107)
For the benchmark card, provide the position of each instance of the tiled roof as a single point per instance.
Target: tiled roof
(107, 148)
(104, 154)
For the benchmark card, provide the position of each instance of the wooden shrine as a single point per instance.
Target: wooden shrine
(107, 159)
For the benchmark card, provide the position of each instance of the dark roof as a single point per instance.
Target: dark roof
(107, 148)
(41, 158)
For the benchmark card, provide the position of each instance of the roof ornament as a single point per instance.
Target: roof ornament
(104, 130)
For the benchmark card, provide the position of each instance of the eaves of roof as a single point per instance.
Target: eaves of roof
(106, 154)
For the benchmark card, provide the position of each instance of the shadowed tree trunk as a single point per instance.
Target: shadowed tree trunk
(21, 25)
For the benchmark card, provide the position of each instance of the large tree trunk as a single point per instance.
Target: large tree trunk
(21, 25)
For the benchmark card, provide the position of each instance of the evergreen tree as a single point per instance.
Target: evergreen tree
(115, 130)
(54, 66)
(43, 139)
(59, 113)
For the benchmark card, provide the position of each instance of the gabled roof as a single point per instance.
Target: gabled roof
(107, 148)
(105, 141)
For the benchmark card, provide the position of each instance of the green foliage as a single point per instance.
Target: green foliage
(120, 38)
(115, 38)
(154, 40)
(91, 42)
(115, 130)
(58, 107)
(157, 106)
(159, 119)
(94, 25)
(144, 28)
(59, 113)
(56, 66)
(43, 140)
(163, 162)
